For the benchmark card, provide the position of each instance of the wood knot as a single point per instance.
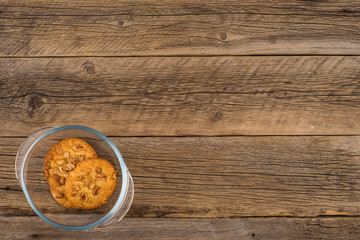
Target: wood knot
(218, 116)
(89, 69)
(120, 23)
(223, 36)
(35, 102)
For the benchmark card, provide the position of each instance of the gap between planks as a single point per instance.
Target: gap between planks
(212, 136)
(180, 56)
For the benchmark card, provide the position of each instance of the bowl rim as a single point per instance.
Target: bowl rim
(124, 171)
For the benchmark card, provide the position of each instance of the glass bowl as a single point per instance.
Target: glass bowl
(29, 172)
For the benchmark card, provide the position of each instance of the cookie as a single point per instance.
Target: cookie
(91, 184)
(60, 160)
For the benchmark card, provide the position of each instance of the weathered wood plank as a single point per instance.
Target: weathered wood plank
(177, 96)
(123, 28)
(155, 228)
(225, 176)
(177, 7)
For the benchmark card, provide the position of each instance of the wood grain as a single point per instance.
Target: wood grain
(199, 229)
(133, 70)
(181, 96)
(135, 28)
(206, 177)
(178, 7)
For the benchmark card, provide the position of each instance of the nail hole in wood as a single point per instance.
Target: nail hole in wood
(218, 115)
(347, 10)
(223, 36)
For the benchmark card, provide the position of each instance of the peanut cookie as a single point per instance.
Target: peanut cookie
(91, 184)
(60, 160)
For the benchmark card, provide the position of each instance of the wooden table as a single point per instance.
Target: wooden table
(237, 120)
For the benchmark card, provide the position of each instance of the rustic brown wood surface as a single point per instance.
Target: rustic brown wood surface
(225, 176)
(121, 28)
(237, 119)
(173, 96)
(202, 229)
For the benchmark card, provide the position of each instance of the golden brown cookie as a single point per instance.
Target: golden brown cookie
(60, 160)
(90, 184)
